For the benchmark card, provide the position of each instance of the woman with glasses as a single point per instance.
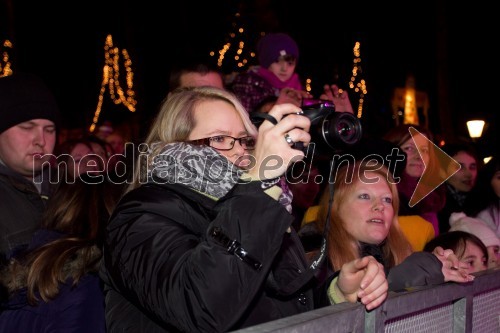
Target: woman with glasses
(201, 241)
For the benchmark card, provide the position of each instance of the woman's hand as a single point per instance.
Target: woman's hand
(273, 152)
(363, 279)
(453, 269)
(339, 98)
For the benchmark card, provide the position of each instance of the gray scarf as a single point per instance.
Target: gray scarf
(203, 169)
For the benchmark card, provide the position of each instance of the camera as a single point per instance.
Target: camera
(330, 131)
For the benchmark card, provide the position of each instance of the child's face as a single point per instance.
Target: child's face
(465, 178)
(474, 257)
(283, 68)
(493, 256)
(495, 183)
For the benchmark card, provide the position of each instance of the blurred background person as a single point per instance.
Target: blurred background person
(28, 118)
(419, 156)
(193, 73)
(484, 199)
(54, 286)
(458, 186)
(75, 157)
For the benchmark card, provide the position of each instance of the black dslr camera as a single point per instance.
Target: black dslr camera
(330, 131)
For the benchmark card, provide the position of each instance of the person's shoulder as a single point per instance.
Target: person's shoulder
(160, 199)
(249, 75)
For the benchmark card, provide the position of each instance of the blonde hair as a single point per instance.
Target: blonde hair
(175, 121)
(340, 243)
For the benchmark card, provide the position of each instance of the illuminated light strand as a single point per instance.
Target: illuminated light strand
(111, 79)
(358, 87)
(308, 85)
(5, 65)
(242, 55)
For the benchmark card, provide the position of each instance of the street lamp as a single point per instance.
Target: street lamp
(475, 128)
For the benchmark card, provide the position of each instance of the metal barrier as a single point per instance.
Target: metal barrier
(450, 307)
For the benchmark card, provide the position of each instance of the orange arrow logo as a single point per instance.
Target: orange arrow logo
(438, 168)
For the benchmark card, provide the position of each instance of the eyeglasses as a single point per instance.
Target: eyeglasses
(226, 142)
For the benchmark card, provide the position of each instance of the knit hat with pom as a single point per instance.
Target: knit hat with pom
(274, 45)
(461, 222)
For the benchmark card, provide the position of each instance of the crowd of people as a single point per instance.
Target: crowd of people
(208, 228)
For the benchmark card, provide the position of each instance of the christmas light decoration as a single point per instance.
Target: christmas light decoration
(242, 55)
(111, 79)
(359, 87)
(308, 85)
(5, 65)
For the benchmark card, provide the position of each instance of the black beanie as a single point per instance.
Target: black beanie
(24, 97)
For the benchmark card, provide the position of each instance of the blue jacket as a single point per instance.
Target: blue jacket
(75, 309)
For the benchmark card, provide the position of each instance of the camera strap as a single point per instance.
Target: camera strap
(258, 118)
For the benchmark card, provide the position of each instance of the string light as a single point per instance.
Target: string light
(359, 87)
(242, 55)
(5, 65)
(111, 79)
(308, 85)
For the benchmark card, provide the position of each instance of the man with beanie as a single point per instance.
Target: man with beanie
(28, 117)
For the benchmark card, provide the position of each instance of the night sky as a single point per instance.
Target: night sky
(64, 44)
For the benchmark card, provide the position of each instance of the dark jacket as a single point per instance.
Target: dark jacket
(168, 265)
(417, 270)
(455, 202)
(21, 208)
(75, 309)
(253, 90)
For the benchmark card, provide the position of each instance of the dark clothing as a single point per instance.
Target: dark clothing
(253, 90)
(417, 270)
(77, 308)
(21, 208)
(166, 271)
(455, 201)
(427, 208)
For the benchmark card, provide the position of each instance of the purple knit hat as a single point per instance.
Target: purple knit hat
(274, 45)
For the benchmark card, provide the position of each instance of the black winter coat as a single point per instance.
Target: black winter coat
(21, 209)
(165, 271)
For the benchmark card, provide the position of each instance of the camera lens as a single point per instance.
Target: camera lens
(341, 130)
(346, 131)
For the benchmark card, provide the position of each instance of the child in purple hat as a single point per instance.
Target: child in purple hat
(275, 81)
(275, 77)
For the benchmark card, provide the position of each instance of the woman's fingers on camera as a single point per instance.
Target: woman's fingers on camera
(297, 135)
(279, 111)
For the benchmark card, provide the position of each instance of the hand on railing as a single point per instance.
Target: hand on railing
(363, 280)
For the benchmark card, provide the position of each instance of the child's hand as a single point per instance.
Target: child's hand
(338, 97)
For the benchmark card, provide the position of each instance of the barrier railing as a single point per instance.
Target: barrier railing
(450, 307)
